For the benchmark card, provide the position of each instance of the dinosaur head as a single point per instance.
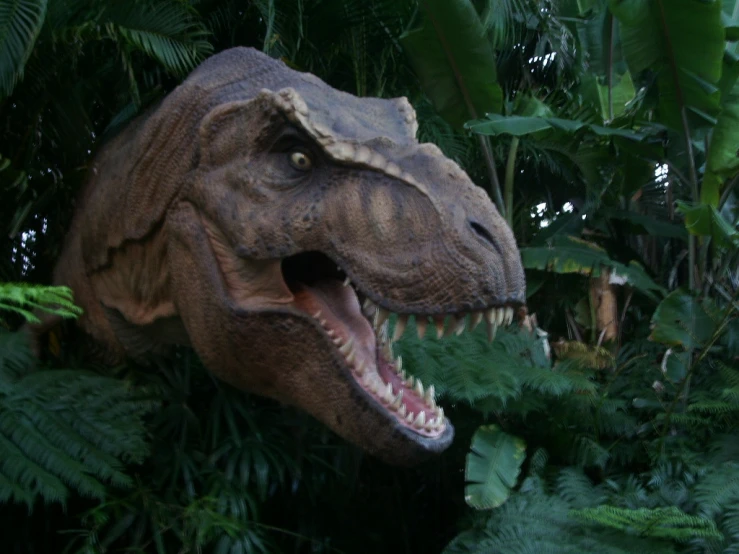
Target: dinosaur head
(303, 218)
(324, 215)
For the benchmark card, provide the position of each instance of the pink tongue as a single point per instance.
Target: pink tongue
(340, 308)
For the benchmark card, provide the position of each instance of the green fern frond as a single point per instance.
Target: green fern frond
(20, 24)
(573, 486)
(664, 523)
(718, 489)
(165, 31)
(63, 430)
(22, 298)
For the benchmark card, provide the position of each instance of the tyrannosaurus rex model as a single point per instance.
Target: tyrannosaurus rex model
(274, 223)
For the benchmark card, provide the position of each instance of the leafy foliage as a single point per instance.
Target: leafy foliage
(492, 467)
(606, 116)
(21, 298)
(20, 24)
(64, 430)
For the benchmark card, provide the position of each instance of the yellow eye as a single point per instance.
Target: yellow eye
(300, 160)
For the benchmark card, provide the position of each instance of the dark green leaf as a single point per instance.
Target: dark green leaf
(454, 61)
(493, 465)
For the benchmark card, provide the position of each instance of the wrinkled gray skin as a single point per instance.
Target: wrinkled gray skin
(183, 232)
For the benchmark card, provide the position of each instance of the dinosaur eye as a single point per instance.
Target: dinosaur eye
(300, 160)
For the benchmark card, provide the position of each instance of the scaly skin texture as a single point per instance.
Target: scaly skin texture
(192, 227)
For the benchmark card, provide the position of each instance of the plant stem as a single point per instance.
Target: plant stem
(509, 176)
(686, 136)
(727, 189)
(492, 172)
(612, 29)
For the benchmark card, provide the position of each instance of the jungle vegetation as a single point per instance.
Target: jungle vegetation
(607, 132)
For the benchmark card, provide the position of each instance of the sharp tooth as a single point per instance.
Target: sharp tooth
(399, 365)
(439, 322)
(409, 417)
(420, 326)
(420, 420)
(381, 316)
(499, 316)
(508, 315)
(490, 315)
(440, 413)
(347, 282)
(331, 333)
(337, 341)
(388, 393)
(398, 402)
(409, 382)
(360, 369)
(373, 385)
(492, 329)
(369, 307)
(430, 396)
(459, 328)
(323, 322)
(348, 347)
(317, 315)
(429, 425)
(382, 332)
(475, 320)
(402, 410)
(367, 380)
(351, 357)
(419, 388)
(387, 351)
(400, 327)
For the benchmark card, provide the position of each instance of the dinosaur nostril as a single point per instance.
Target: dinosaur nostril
(483, 233)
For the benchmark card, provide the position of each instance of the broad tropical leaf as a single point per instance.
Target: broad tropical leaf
(682, 41)
(566, 254)
(493, 465)
(683, 320)
(20, 23)
(706, 221)
(723, 155)
(518, 126)
(454, 61)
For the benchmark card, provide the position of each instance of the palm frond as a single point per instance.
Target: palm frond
(165, 31)
(20, 24)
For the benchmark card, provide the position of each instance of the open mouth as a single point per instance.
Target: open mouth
(358, 329)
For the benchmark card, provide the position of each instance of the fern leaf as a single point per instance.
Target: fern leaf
(63, 430)
(665, 523)
(165, 31)
(20, 24)
(22, 298)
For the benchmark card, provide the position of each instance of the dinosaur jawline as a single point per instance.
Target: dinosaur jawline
(320, 292)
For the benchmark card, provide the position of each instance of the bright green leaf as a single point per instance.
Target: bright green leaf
(705, 220)
(493, 465)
